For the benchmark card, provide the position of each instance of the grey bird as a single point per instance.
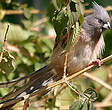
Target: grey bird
(88, 48)
(90, 45)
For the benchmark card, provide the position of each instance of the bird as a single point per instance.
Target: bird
(88, 48)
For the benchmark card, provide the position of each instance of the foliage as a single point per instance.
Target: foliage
(66, 15)
(25, 44)
(7, 63)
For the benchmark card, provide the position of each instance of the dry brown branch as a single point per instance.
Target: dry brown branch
(105, 103)
(35, 11)
(64, 107)
(65, 65)
(48, 37)
(43, 20)
(35, 26)
(108, 98)
(104, 84)
(19, 12)
(109, 78)
(4, 43)
(102, 105)
(38, 93)
(64, 77)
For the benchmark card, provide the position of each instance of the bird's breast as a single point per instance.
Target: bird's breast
(79, 57)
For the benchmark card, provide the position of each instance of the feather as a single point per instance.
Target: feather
(100, 12)
(99, 48)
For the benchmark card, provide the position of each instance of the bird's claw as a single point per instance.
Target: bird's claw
(96, 62)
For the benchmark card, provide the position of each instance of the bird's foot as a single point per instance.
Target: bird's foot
(96, 63)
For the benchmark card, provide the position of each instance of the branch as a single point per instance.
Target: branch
(19, 12)
(70, 77)
(39, 92)
(98, 81)
(102, 105)
(35, 11)
(109, 78)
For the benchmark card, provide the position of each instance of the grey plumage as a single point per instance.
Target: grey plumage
(88, 48)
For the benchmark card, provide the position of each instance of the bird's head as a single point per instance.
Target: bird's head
(101, 16)
(100, 19)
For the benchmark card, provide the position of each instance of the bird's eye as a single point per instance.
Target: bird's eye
(100, 21)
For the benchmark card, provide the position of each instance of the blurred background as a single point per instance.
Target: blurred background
(30, 42)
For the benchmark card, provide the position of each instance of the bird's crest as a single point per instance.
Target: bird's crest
(100, 12)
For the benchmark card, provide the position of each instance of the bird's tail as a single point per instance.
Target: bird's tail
(33, 82)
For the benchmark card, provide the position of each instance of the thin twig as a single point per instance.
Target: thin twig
(39, 22)
(98, 80)
(108, 98)
(109, 78)
(36, 11)
(64, 77)
(46, 37)
(105, 103)
(26, 102)
(19, 12)
(4, 42)
(65, 65)
(102, 105)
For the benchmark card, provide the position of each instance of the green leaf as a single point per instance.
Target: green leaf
(90, 94)
(81, 19)
(3, 91)
(7, 63)
(76, 105)
(26, 23)
(74, 37)
(55, 4)
(48, 43)
(82, 105)
(87, 105)
(27, 13)
(59, 3)
(60, 21)
(80, 8)
(77, 11)
(29, 47)
(70, 16)
(65, 98)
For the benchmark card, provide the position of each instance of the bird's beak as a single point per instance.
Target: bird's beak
(107, 26)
